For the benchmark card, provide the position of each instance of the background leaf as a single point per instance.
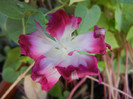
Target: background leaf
(101, 65)
(111, 40)
(30, 23)
(13, 58)
(130, 34)
(56, 91)
(127, 17)
(103, 21)
(3, 19)
(15, 10)
(14, 29)
(118, 19)
(9, 74)
(89, 17)
(126, 1)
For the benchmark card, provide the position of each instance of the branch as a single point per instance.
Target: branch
(105, 84)
(76, 87)
(20, 77)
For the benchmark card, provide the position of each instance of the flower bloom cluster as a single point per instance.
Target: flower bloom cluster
(61, 57)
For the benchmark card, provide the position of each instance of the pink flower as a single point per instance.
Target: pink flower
(61, 57)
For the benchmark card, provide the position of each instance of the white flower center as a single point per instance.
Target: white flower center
(65, 47)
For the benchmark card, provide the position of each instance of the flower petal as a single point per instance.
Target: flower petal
(60, 23)
(35, 44)
(92, 42)
(78, 66)
(44, 72)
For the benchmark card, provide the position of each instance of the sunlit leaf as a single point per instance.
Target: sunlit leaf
(130, 34)
(101, 65)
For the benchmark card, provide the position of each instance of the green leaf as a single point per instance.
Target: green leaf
(103, 21)
(13, 58)
(7, 49)
(23, 69)
(130, 34)
(14, 9)
(30, 24)
(127, 17)
(3, 19)
(25, 58)
(126, 1)
(111, 40)
(43, 10)
(89, 17)
(85, 53)
(107, 3)
(74, 1)
(118, 18)
(56, 91)
(9, 74)
(81, 10)
(101, 66)
(14, 29)
(2, 58)
(65, 95)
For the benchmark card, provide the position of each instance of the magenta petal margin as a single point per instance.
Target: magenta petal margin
(54, 59)
(59, 21)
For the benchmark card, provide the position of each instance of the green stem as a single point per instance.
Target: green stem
(57, 8)
(60, 2)
(23, 26)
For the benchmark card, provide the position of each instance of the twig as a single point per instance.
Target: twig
(126, 72)
(105, 84)
(20, 77)
(49, 4)
(109, 74)
(76, 87)
(41, 3)
(105, 88)
(92, 89)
